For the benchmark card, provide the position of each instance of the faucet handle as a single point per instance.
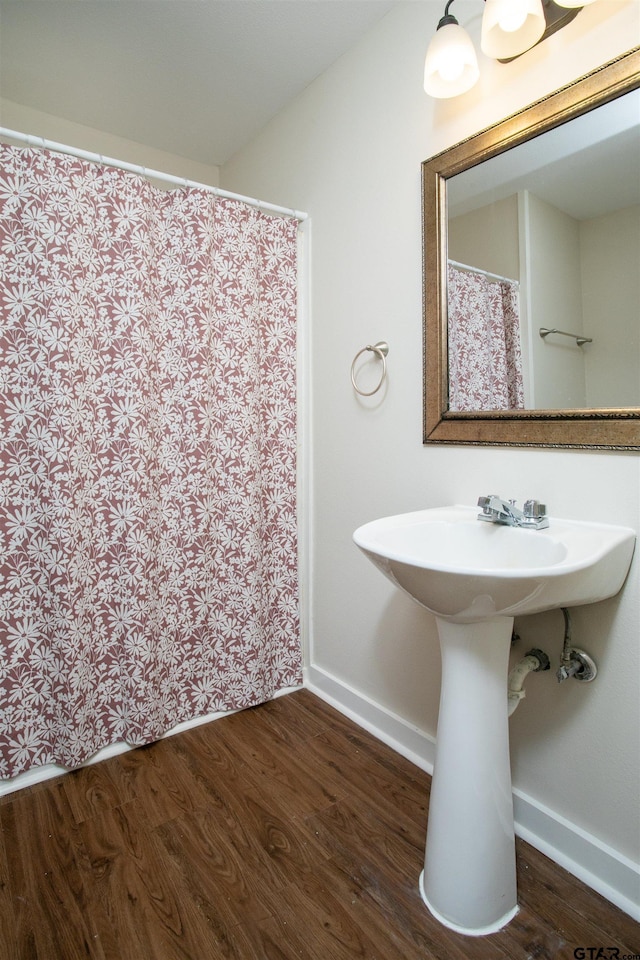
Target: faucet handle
(489, 504)
(487, 501)
(534, 509)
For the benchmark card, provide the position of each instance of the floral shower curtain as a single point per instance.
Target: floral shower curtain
(148, 557)
(485, 365)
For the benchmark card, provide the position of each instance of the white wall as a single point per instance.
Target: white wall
(610, 254)
(554, 292)
(487, 238)
(348, 151)
(15, 116)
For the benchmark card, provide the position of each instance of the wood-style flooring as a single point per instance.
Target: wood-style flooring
(278, 833)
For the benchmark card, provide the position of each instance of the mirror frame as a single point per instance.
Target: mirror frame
(611, 428)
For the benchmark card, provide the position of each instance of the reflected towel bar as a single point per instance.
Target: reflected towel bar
(579, 339)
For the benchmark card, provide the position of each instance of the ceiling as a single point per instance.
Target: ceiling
(587, 167)
(196, 78)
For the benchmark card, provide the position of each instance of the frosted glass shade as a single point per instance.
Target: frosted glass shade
(509, 27)
(451, 65)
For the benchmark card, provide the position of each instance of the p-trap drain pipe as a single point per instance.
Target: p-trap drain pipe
(533, 662)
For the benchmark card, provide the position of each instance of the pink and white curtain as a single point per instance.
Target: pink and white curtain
(485, 365)
(148, 538)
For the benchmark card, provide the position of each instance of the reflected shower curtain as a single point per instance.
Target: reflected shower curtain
(485, 365)
(148, 539)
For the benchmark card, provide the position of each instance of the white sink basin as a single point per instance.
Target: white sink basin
(475, 576)
(466, 570)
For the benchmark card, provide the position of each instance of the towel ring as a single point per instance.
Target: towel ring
(381, 349)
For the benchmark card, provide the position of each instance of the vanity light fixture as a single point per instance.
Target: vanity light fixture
(509, 28)
(451, 65)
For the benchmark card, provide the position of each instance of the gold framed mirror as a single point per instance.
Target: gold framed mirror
(475, 172)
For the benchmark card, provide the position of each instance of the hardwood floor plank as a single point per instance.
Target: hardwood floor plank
(387, 866)
(94, 788)
(51, 919)
(272, 940)
(135, 889)
(156, 775)
(213, 870)
(323, 713)
(300, 788)
(257, 820)
(284, 832)
(561, 900)
(527, 937)
(345, 829)
(290, 847)
(398, 797)
(328, 925)
(213, 773)
(8, 944)
(290, 721)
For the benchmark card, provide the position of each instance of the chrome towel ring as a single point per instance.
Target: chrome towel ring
(381, 349)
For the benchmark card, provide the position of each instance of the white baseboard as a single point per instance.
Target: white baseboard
(599, 866)
(50, 770)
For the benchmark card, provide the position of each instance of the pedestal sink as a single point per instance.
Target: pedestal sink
(475, 577)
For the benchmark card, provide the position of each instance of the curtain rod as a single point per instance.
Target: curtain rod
(485, 273)
(42, 143)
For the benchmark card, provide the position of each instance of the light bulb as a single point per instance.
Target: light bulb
(512, 19)
(509, 27)
(451, 65)
(451, 70)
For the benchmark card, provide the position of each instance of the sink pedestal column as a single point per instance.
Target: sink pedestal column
(469, 879)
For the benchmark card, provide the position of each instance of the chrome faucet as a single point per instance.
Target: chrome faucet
(533, 516)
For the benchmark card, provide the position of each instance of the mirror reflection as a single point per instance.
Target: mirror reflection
(543, 272)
